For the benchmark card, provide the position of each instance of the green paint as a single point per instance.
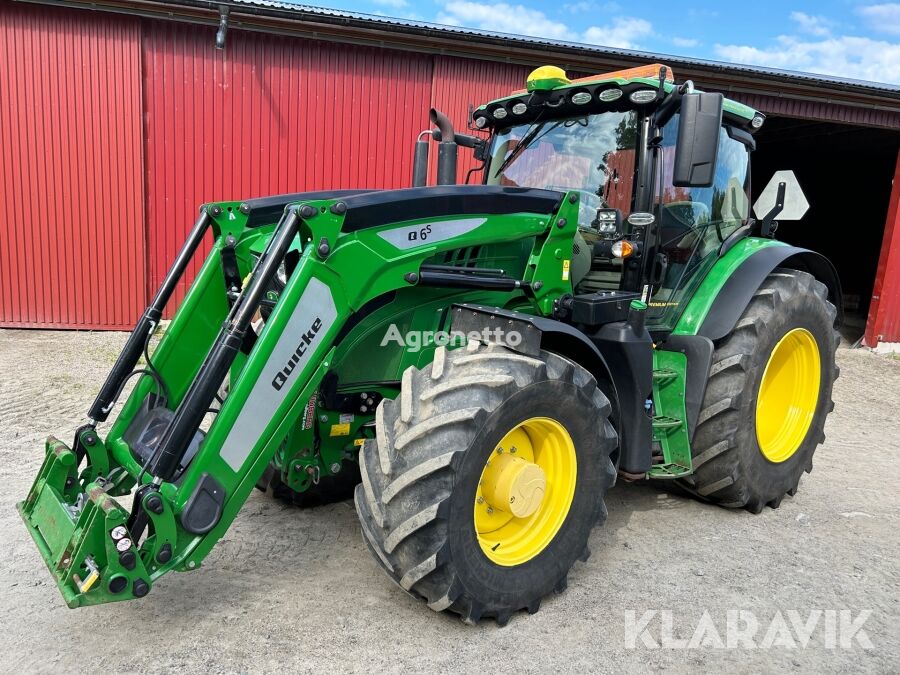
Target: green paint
(702, 300)
(357, 293)
(670, 427)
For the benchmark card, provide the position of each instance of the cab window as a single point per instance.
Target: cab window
(693, 222)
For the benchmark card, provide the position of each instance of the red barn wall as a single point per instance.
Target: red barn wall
(72, 235)
(114, 129)
(269, 115)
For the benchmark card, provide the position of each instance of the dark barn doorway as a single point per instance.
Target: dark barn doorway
(846, 172)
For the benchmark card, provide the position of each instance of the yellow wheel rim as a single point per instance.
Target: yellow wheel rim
(525, 491)
(788, 395)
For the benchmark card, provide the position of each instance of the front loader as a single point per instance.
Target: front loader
(483, 360)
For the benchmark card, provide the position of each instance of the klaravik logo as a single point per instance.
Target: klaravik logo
(306, 339)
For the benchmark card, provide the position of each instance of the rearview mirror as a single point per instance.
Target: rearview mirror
(698, 140)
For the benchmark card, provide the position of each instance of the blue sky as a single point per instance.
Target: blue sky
(848, 38)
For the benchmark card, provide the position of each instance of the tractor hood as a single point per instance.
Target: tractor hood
(373, 208)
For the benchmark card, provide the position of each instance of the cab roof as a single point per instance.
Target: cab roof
(618, 90)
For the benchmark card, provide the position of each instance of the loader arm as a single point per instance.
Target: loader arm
(205, 460)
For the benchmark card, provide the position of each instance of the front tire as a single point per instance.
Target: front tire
(768, 395)
(425, 479)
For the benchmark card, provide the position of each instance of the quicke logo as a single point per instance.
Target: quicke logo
(305, 341)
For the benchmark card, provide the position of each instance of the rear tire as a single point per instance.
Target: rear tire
(730, 467)
(420, 477)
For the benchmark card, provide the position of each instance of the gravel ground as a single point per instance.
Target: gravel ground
(295, 590)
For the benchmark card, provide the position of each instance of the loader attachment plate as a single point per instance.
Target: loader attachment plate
(82, 536)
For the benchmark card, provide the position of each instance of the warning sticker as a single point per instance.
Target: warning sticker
(359, 441)
(310, 413)
(565, 274)
(340, 430)
(346, 418)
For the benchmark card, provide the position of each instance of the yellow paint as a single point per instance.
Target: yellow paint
(545, 78)
(340, 430)
(788, 395)
(566, 266)
(525, 492)
(92, 578)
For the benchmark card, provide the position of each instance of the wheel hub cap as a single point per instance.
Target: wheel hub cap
(514, 485)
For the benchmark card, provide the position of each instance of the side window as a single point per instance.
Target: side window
(693, 222)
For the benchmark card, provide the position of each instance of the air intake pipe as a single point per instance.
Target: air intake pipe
(420, 160)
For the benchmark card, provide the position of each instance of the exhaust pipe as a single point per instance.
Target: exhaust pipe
(447, 148)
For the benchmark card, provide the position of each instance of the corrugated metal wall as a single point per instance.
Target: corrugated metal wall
(269, 115)
(72, 250)
(114, 129)
(819, 110)
(483, 81)
(883, 324)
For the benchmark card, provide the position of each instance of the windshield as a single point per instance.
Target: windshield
(594, 154)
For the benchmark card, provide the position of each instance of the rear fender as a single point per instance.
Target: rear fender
(733, 296)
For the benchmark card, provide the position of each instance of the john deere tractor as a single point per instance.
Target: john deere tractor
(481, 362)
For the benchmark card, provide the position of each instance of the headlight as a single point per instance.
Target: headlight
(610, 95)
(281, 274)
(581, 98)
(519, 108)
(642, 95)
(500, 113)
(622, 249)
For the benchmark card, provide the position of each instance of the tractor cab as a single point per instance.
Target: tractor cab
(662, 173)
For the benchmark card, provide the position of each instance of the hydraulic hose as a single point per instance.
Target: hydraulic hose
(130, 354)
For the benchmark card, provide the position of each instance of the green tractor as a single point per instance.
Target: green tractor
(476, 363)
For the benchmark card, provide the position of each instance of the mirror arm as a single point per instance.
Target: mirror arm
(667, 109)
(767, 225)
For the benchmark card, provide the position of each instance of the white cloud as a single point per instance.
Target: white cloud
(588, 6)
(504, 18)
(393, 4)
(884, 17)
(813, 25)
(685, 42)
(623, 32)
(842, 56)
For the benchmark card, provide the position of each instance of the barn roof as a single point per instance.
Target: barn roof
(796, 94)
(528, 41)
